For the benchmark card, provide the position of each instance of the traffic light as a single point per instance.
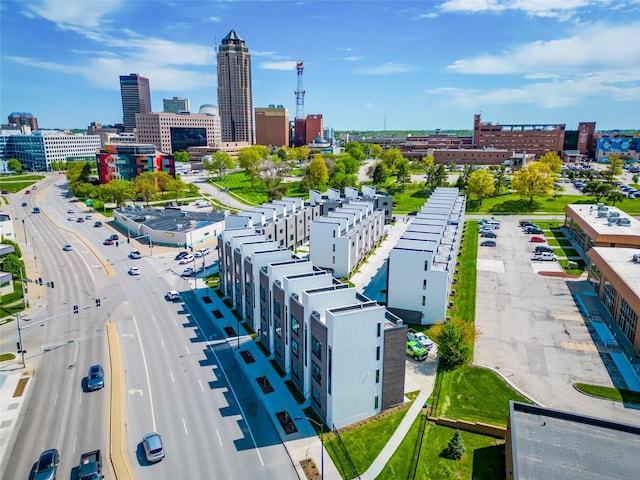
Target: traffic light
(97, 302)
(75, 309)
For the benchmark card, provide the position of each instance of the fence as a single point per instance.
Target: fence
(350, 467)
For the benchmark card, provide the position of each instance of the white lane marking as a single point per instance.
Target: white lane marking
(75, 441)
(219, 439)
(175, 323)
(187, 349)
(146, 369)
(184, 424)
(55, 399)
(153, 318)
(162, 343)
(201, 387)
(172, 379)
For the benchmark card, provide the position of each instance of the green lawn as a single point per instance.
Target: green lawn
(483, 459)
(475, 394)
(365, 441)
(610, 393)
(465, 279)
(239, 186)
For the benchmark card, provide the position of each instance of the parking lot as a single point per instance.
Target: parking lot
(530, 330)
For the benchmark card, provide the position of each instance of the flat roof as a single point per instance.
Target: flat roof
(548, 443)
(589, 214)
(619, 260)
(167, 219)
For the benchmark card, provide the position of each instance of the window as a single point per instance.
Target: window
(295, 325)
(376, 401)
(295, 369)
(378, 353)
(424, 284)
(316, 372)
(294, 348)
(334, 260)
(334, 247)
(426, 265)
(316, 347)
(379, 329)
(315, 395)
(263, 312)
(424, 300)
(276, 308)
(378, 376)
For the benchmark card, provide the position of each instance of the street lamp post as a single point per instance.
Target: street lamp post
(321, 425)
(20, 339)
(24, 230)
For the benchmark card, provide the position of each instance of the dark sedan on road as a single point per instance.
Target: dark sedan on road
(47, 465)
(108, 241)
(181, 255)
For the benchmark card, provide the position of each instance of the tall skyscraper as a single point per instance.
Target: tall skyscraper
(235, 100)
(136, 98)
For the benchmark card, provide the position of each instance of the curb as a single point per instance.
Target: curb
(120, 462)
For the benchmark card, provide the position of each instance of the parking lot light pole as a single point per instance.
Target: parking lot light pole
(24, 365)
(321, 425)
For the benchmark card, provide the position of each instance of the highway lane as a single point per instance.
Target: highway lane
(58, 413)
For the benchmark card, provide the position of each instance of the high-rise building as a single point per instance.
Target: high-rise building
(20, 119)
(175, 105)
(272, 126)
(173, 132)
(235, 100)
(136, 98)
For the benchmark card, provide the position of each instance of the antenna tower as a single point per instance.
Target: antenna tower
(299, 92)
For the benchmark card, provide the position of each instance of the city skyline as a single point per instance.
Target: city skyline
(368, 64)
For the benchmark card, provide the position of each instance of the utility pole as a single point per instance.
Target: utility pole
(21, 349)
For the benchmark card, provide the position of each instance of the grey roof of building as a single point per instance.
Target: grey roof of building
(166, 219)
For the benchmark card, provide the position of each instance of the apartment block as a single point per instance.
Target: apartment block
(422, 263)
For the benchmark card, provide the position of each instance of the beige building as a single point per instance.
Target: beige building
(197, 153)
(272, 126)
(171, 132)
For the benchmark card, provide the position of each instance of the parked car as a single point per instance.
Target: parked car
(153, 449)
(187, 259)
(201, 252)
(172, 296)
(488, 234)
(542, 248)
(181, 255)
(188, 272)
(524, 223)
(413, 213)
(536, 239)
(47, 465)
(545, 257)
(417, 351)
(68, 247)
(134, 271)
(95, 378)
(420, 337)
(135, 254)
(108, 241)
(531, 230)
(488, 243)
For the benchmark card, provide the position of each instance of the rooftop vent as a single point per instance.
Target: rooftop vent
(602, 214)
(624, 222)
(601, 206)
(636, 258)
(614, 214)
(178, 226)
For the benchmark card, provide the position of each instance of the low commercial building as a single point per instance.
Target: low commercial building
(171, 132)
(196, 154)
(420, 267)
(547, 443)
(598, 225)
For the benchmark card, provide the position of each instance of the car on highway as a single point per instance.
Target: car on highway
(172, 296)
(95, 378)
(68, 247)
(201, 252)
(80, 220)
(542, 248)
(134, 271)
(181, 255)
(71, 218)
(488, 234)
(544, 257)
(88, 217)
(188, 259)
(114, 237)
(135, 254)
(153, 449)
(188, 272)
(71, 210)
(536, 239)
(27, 192)
(108, 241)
(488, 243)
(531, 230)
(97, 224)
(47, 465)
(36, 210)
(24, 204)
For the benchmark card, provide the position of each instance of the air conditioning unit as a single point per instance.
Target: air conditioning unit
(614, 215)
(636, 258)
(624, 222)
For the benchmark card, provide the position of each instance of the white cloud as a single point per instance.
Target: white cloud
(385, 69)
(369, 104)
(73, 15)
(561, 9)
(428, 15)
(353, 58)
(283, 65)
(215, 19)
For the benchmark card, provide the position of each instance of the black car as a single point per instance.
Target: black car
(531, 229)
(413, 214)
(181, 255)
(488, 243)
(97, 224)
(543, 248)
(114, 237)
(524, 223)
(47, 465)
(488, 234)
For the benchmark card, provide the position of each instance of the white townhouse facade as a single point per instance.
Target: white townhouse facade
(422, 263)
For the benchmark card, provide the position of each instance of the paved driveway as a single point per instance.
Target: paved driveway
(531, 332)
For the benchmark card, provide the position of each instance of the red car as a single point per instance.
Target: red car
(108, 241)
(27, 192)
(80, 220)
(535, 239)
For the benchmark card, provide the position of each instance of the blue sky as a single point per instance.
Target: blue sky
(421, 64)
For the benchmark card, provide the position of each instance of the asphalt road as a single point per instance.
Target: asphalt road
(178, 377)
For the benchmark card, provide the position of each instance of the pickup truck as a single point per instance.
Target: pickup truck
(421, 338)
(417, 351)
(90, 467)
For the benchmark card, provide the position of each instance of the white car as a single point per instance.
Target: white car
(201, 252)
(172, 296)
(421, 338)
(545, 257)
(134, 271)
(188, 272)
(68, 247)
(71, 218)
(188, 259)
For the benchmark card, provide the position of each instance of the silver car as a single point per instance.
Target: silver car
(153, 449)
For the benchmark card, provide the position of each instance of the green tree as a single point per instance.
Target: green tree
(250, 159)
(553, 160)
(118, 191)
(454, 340)
(597, 189)
(176, 187)
(144, 186)
(14, 165)
(634, 179)
(282, 154)
(536, 179)
(615, 166)
(356, 150)
(378, 173)
(464, 176)
(391, 158)
(317, 172)
(11, 263)
(163, 181)
(403, 172)
(180, 156)
(77, 172)
(437, 175)
(615, 196)
(481, 184)
(375, 150)
(276, 193)
(500, 179)
(219, 163)
(84, 190)
(455, 450)
(349, 163)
